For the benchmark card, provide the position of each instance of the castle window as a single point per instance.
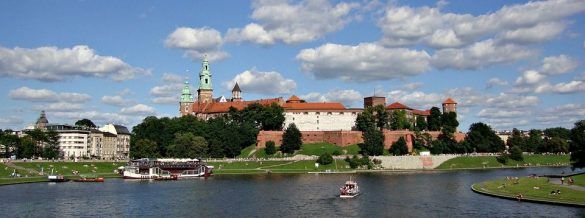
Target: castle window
(329, 113)
(317, 113)
(340, 113)
(305, 112)
(352, 113)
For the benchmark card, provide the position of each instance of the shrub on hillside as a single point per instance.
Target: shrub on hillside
(399, 147)
(325, 159)
(503, 158)
(270, 148)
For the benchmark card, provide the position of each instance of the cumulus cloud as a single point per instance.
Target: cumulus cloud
(348, 97)
(505, 100)
(165, 100)
(172, 78)
(416, 99)
(479, 55)
(364, 62)
(564, 115)
(197, 42)
(170, 90)
(530, 77)
(138, 109)
(11, 122)
(167, 89)
(496, 82)
(115, 100)
(61, 106)
(50, 64)
(282, 21)
(252, 81)
(497, 113)
(44, 95)
(95, 116)
(404, 25)
(558, 64)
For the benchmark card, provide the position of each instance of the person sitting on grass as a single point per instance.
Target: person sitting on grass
(519, 197)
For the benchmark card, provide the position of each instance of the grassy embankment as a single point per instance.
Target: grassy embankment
(301, 166)
(478, 162)
(306, 149)
(90, 169)
(5, 178)
(532, 189)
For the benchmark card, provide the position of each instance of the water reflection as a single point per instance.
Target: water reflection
(426, 194)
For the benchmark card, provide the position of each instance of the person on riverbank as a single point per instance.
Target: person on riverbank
(562, 180)
(519, 197)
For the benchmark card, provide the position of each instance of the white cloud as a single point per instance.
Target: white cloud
(348, 97)
(44, 95)
(172, 100)
(7, 122)
(504, 100)
(496, 82)
(167, 89)
(539, 33)
(197, 42)
(530, 77)
(53, 64)
(292, 23)
(252, 81)
(498, 113)
(479, 55)
(115, 100)
(520, 23)
(416, 99)
(564, 115)
(558, 64)
(562, 88)
(139, 109)
(364, 62)
(95, 116)
(61, 106)
(412, 86)
(172, 78)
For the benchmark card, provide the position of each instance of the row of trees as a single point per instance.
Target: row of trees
(190, 137)
(36, 143)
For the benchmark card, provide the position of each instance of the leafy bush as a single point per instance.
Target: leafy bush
(503, 158)
(336, 152)
(270, 148)
(516, 153)
(325, 159)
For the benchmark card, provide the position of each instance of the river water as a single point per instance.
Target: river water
(421, 194)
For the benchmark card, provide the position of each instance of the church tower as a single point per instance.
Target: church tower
(186, 103)
(205, 91)
(236, 93)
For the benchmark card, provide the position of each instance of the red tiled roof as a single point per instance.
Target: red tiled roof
(313, 106)
(397, 105)
(449, 101)
(421, 113)
(293, 98)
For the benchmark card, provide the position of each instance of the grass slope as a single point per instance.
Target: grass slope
(275, 166)
(532, 188)
(490, 161)
(5, 171)
(67, 168)
(579, 180)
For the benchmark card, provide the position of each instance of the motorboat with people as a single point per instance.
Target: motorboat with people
(89, 179)
(350, 189)
(56, 178)
(165, 169)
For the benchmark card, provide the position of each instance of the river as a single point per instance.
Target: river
(421, 194)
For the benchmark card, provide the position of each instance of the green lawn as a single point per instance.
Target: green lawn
(490, 161)
(274, 166)
(246, 151)
(7, 181)
(5, 171)
(319, 149)
(579, 180)
(532, 188)
(66, 168)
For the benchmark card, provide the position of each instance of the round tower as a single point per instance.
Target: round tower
(449, 105)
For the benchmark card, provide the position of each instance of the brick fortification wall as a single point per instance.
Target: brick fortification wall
(345, 138)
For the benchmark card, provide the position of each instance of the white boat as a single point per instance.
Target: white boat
(350, 189)
(165, 169)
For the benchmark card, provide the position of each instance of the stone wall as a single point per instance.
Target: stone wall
(345, 138)
(412, 162)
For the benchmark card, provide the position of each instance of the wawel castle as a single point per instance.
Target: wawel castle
(329, 122)
(307, 116)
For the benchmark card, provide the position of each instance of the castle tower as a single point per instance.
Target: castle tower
(372, 101)
(449, 105)
(186, 103)
(42, 121)
(236, 93)
(205, 91)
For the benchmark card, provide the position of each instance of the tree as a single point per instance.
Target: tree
(272, 117)
(422, 140)
(10, 141)
(482, 138)
(270, 148)
(577, 147)
(517, 139)
(534, 141)
(186, 145)
(51, 149)
(449, 120)
(27, 147)
(291, 139)
(434, 119)
(399, 121)
(365, 120)
(381, 116)
(325, 159)
(373, 142)
(144, 148)
(85, 123)
(399, 147)
(555, 145)
(39, 137)
(516, 153)
(421, 123)
(559, 132)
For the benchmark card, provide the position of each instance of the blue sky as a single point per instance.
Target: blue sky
(508, 63)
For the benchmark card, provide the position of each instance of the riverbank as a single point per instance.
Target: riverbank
(533, 189)
(479, 162)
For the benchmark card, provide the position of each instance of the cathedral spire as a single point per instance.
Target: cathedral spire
(186, 96)
(205, 91)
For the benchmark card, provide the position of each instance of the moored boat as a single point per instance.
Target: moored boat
(57, 178)
(165, 169)
(349, 190)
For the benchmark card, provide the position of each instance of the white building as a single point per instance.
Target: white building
(121, 149)
(73, 141)
(318, 116)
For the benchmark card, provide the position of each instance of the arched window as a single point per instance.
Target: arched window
(206, 81)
